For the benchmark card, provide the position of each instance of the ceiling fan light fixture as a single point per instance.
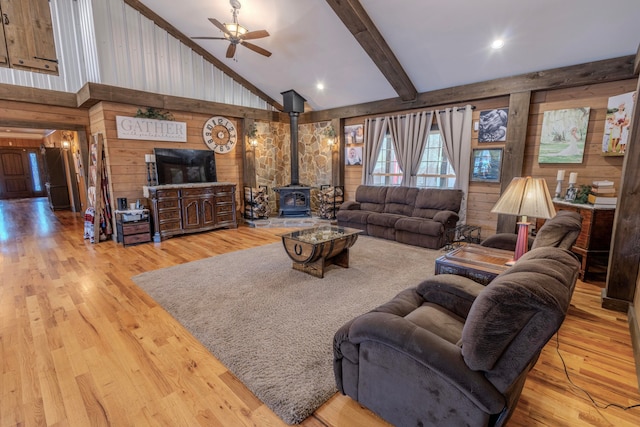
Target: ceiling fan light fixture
(235, 30)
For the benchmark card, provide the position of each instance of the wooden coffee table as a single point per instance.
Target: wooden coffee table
(312, 249)
(476, 262)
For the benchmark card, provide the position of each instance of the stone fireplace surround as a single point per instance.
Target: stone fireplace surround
(272, 159)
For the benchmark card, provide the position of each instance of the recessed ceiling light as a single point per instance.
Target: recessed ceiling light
(497, 44)
(320, 86)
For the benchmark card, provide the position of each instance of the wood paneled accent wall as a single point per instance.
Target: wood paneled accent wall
(482, 196)
(125, 157)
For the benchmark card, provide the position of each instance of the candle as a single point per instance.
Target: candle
(560, 175)
(573, 177)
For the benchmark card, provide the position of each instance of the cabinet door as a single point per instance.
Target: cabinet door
(191, 217)
(28, 36)
(208, 211)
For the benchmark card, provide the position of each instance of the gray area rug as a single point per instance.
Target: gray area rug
(273, 326)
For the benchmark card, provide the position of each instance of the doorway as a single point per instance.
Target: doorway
(20, 173)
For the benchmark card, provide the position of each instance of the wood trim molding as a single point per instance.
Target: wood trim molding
(160, 22)
(93, 93)
(358, 22)
(37, 96)
(607, 70)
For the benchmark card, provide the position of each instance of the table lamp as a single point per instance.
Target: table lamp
(525, 197)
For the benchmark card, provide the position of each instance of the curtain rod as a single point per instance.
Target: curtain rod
(473, 107)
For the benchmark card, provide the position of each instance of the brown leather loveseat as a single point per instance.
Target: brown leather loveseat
(415, 216)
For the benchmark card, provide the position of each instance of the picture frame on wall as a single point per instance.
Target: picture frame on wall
(486, 164)
(492, 126)
(354, 134)
(353, 156)
(617, 123)
(564, 135)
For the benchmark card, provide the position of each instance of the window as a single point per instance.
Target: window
(387, 171)
(35, 173)
(435, 170)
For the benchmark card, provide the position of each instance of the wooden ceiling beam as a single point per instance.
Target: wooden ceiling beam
(607, 70)
(145, 11)
(357, 21)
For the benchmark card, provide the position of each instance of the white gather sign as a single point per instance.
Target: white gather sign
(151, 129)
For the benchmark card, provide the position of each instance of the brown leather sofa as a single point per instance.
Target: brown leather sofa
(452, 352)
(415, 216)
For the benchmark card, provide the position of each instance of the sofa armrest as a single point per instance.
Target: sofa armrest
(454, 293)
(350, 205)
(431, 351)
(506, 241)
(447, 218)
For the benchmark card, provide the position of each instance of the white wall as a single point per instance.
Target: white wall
(108, 42)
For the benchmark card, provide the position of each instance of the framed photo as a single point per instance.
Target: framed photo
(617, 122)
(487, 164)
(353, 156)
(493, 125)
(563, 137)
(354, 134)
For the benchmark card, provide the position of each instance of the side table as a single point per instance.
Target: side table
(133, 226)
(478, 263)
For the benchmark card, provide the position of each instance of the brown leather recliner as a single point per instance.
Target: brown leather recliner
(451, 351)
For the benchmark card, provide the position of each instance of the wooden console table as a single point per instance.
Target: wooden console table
(595, 235)
(478, 263)
(188, 208)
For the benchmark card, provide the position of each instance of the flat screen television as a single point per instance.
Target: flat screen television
(179, 166)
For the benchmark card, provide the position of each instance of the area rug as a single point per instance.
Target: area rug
(273, 326)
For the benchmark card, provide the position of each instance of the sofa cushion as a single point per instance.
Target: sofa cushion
(430, 201)
(371, 198)
(353, 216)
(438, 320)
(420, 226)
(384, 219)
(561, 231)
(400, 200)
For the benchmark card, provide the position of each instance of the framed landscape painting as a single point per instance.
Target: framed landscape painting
(563, 136)
(487, 164)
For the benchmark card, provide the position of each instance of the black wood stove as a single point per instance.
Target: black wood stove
(295, 199)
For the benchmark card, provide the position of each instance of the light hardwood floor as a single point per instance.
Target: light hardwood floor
(81, 345)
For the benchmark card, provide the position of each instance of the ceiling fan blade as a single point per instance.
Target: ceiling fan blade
(258, 34)
(220, 26)
(231, 50)
(255, 48)
(209, 38)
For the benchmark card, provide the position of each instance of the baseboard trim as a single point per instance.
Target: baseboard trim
(634, 330)
(614, 303)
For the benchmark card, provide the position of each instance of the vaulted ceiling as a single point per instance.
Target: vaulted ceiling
(369, 50)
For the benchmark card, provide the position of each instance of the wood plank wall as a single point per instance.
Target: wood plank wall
(125, 157)
(482, 196)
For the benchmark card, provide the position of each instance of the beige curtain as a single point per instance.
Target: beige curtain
(455, 130)
(374, 131)
(409, 134)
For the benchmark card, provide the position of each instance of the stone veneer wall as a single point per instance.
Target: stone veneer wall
(273, 158)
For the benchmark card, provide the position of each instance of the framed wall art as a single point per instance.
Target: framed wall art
(353, 156)
(487, 164)
(563, 136)
(354, 134)
(616, 125)
(493, 125)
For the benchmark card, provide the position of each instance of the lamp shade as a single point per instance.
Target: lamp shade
(526, 196)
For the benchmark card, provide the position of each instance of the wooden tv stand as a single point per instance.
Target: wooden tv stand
(189, 208)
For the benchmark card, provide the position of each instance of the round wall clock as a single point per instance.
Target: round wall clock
(219, 134)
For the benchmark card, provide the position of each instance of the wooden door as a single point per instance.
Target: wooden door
(15, 174)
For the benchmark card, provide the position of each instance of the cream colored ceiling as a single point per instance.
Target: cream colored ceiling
(439, 44)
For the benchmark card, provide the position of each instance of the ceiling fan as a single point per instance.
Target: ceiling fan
(237, 34)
